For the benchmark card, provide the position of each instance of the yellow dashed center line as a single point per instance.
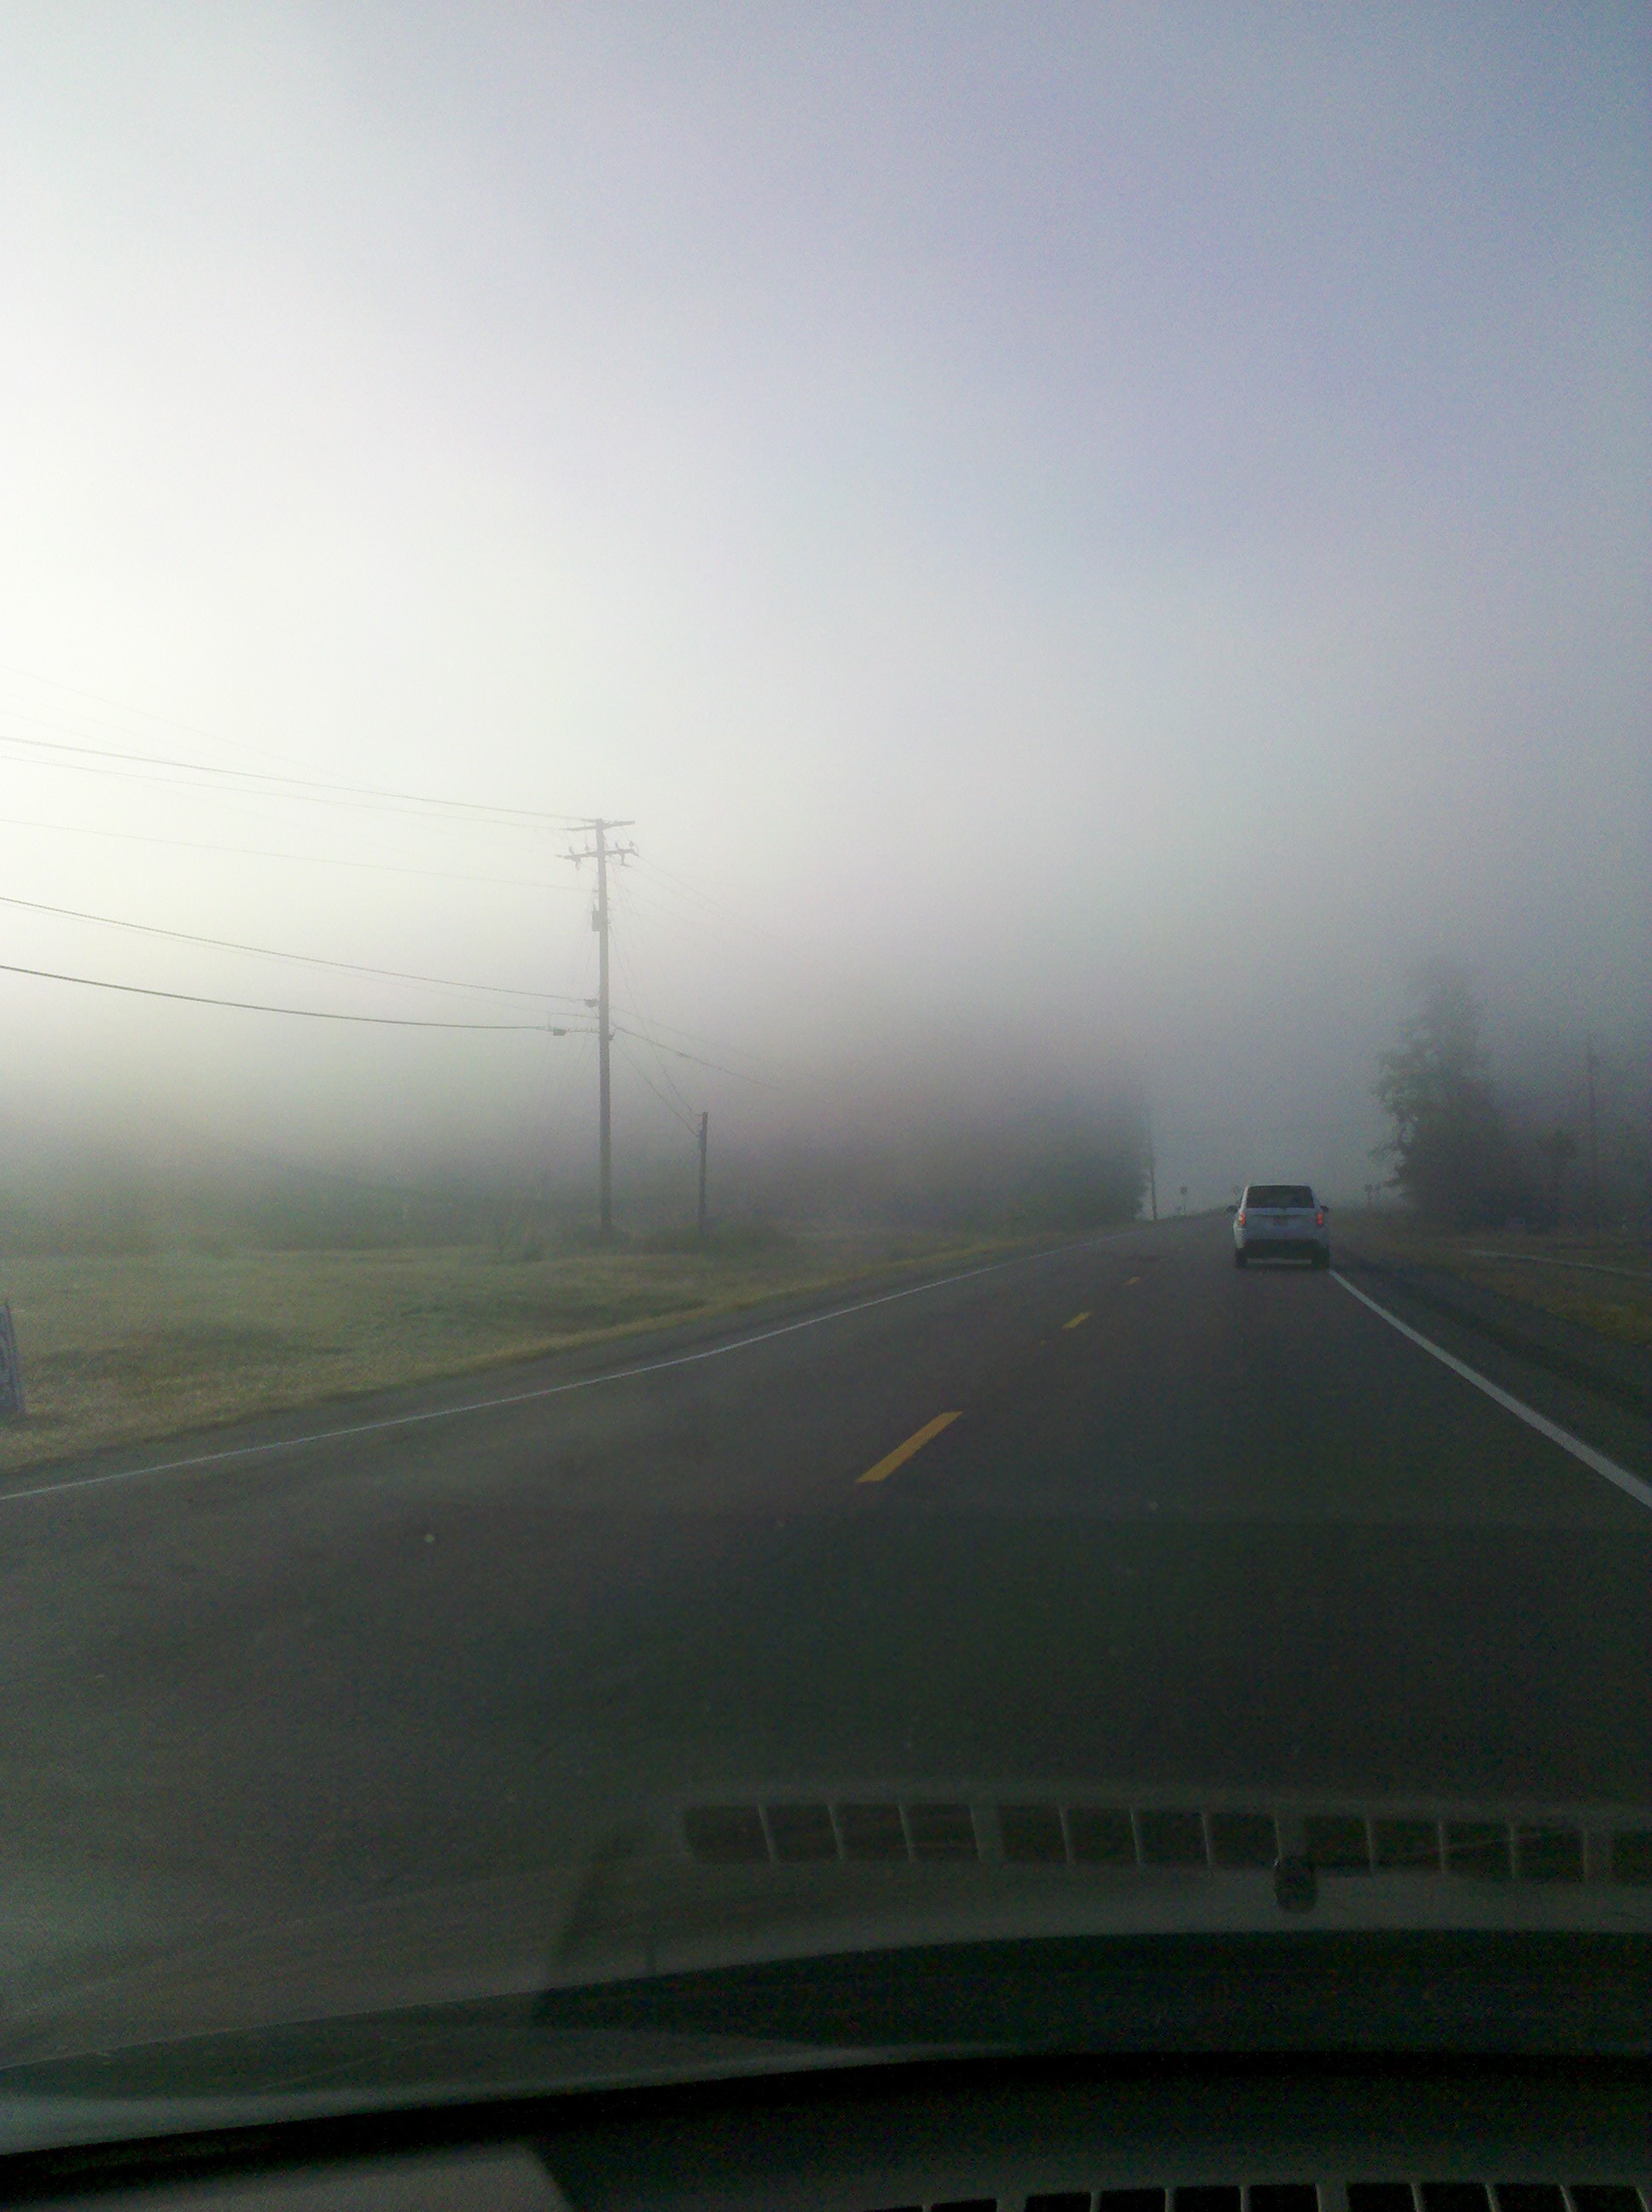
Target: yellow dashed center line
(1134, 1280)
(1076, 1319)
(902, 1453)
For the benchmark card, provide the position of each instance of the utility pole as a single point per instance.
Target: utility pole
(704, 1122)
(605, 1038)
(1594, 1149)
(1152, 1174)
(602, 852)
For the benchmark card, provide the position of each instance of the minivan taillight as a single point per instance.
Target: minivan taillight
(1319, 1219)
(1240, 1218)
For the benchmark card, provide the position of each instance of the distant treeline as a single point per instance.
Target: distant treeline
(1080, 1168)
(1465, 1154)
(135, 1208)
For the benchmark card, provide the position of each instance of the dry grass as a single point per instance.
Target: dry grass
(117, 1350)
(1525, 1267)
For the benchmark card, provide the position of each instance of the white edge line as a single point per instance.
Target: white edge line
(545, 1390)
(1597, 1461)
(1543, 1260)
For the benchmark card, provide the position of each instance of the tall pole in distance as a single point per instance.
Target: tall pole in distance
(605, 1034)
(601, 851)
(700, 1218)
(1594, 1148)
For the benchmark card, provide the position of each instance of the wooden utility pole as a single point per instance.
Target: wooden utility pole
(1594, 1143)
(605, 1039)
(705, 1120)
(601, 851)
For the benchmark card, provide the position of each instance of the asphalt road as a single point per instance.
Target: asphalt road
(1186, 1528)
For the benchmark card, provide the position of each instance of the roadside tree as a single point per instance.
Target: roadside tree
(1557, 1150)
(1451, 1153)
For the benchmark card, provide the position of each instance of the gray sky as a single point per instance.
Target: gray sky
(1096, 536)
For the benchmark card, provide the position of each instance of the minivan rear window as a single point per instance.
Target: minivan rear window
(1279, 1194)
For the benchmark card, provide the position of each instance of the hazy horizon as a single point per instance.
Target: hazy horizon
(1086, 544)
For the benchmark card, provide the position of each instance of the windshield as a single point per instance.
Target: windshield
(646, 663)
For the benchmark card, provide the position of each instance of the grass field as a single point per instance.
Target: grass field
(116, 1349)
(1603, 1283)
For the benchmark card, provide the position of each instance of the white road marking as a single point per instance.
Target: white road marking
(1544, 1260)
(1595, 1460)
(545, 1390)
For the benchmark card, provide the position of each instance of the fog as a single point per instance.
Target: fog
(1084, 542)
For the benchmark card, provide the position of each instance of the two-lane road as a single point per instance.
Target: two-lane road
(1133, 1516)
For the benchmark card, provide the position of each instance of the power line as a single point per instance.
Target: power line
(642, 1024)
(738, 1074)
(171, 724)
(625, 899)
(121, 707)
(652, 896)
(264, 852)
(271, 952)
(325, 785)
(690, 1121)
(305, 1013)
(692, 891)
(92, 760)
(685, 1112)
(840, 977)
